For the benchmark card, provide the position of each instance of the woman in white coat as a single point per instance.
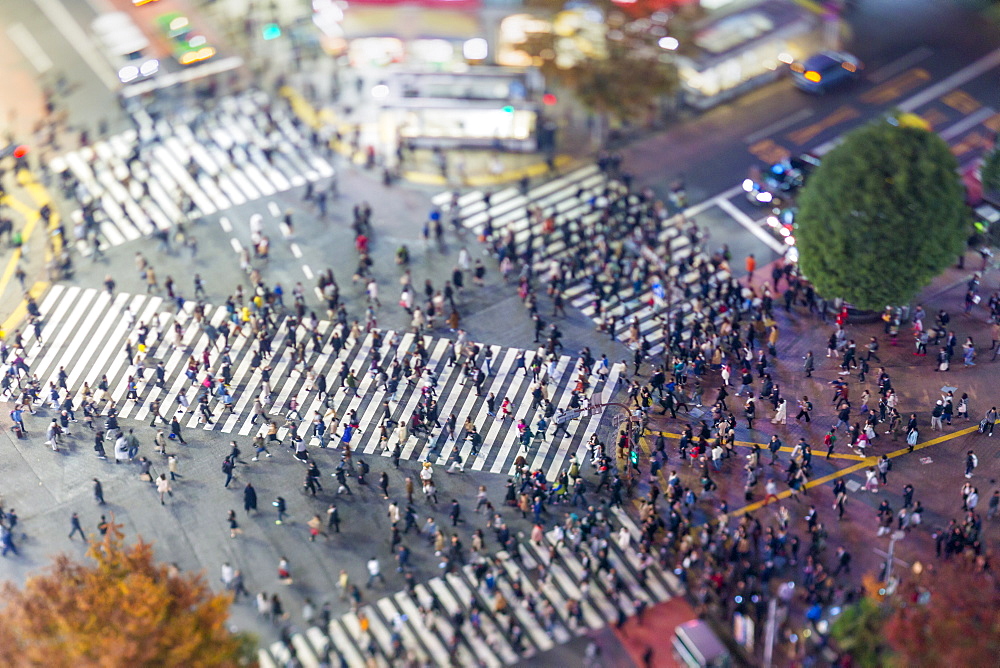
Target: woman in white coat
(163, 487)
(781, 415)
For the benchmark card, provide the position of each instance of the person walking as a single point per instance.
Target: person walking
(374, 572)
(315, 528)
(936, 416)
(175, 430)
(75, 528)
(871, 480)
(98, 492)
(383, 483)
(781, 414)
(971, 462)
(249, 499)
(163, 488)
(281, 507)
(805, 407)
(830, 441)
(750, 411)
(883, 467)
(333, 518)
(227, 469)
(990, 419)
(774, 445)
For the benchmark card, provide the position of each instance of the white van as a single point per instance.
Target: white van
(125, 47)
(697, 646)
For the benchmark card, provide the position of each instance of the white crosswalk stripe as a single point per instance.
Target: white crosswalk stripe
(87, 332)
(679, 270)
(422, 625)
(226, 157)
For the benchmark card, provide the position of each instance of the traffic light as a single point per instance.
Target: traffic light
(508, 109)
(549, 99)
(634, 457)
(20, 151)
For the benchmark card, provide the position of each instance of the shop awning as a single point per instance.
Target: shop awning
(407, 23)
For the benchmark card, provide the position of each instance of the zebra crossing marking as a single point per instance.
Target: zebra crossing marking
(87, 332)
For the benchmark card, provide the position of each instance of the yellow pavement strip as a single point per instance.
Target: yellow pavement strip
(21, 310)
(40, 196)
(763, 446)
(870, 461)
(864, 462)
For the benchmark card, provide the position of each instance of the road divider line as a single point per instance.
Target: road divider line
(910, 59)
(712, 201)
(237, 246)
(30, 47)
(296, 251)
(74, 34)
(307, 271)
(959, 78)
(227, 227)
(869, 461)
(966, 123)
(779, 125)
(752, 227)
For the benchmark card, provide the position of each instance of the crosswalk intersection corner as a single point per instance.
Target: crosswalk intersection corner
(20, 311)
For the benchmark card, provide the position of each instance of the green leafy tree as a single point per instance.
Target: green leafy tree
(991, 172)
(122, 608)
(882, 216)
(858, 632)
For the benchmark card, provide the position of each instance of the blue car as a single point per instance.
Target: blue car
(825, 71)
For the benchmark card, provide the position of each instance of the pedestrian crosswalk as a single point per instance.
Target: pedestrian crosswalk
(88, 332)
(177, 168)
(591, 214)
(501, 615)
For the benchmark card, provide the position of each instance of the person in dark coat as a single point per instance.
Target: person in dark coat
(249, 498)
(175, 429)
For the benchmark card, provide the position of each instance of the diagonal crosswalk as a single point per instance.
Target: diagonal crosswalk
(87, 332)
(454, 619)
(190, 165)
(590, 211)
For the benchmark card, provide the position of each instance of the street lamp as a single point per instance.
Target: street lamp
(896, 535)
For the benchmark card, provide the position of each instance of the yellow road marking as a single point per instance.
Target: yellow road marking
(841, 115)
(895, 87)
(870, 461)
(21, 310)
(763, 446)
(971, 142)
(41, 197)
(769, 151)
(934, 117)
(961, 101)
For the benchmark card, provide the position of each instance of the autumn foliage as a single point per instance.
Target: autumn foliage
(122, 608)
(949, 616)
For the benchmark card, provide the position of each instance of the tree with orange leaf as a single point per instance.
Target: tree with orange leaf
(123, 609)
(946, 616)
